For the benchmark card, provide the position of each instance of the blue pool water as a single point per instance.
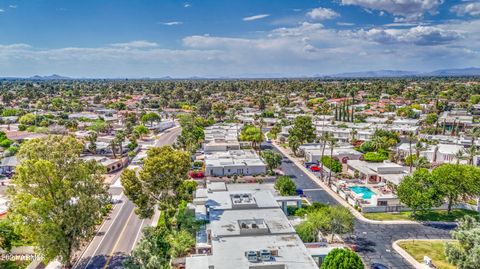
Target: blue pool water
(367, 193)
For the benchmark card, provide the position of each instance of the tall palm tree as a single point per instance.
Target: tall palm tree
(411, 137)
(323, 138)
(472, 152)
(459, 156)
(353, 134)
(332, 142)
(474, 133)
(419, 146)
(92, 142)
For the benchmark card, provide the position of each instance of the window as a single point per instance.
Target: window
(382, 203)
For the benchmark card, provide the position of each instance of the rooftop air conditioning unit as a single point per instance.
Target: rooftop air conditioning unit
(251, 256)
(265, 255)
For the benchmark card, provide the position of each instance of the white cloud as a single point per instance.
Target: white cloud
(419, 35)
(471, 8)
(409, 9)
(187, 5)
(12, 6)
(172, 23)
(136, 44)
(321, 13)
(1, 10)
(256, 17)
(305, 49)
(345, 23)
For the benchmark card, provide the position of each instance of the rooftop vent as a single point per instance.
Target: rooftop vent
(251, 256)
(245, 200)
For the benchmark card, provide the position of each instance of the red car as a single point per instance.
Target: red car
(196, 174)
(315, 168)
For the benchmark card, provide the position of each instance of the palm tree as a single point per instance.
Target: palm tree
(332, 142)
(472, 152)
(353, 133)
(324, 138)
(435, 151)
(459, 156)
(113, 146)
(92, 142)
(474, 133)
(411, 137)
(419, 146)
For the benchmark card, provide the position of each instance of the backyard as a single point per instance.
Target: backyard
(433, 215)
(434, 249)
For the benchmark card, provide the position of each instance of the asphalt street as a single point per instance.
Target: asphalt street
(374, 241)
(122, 229)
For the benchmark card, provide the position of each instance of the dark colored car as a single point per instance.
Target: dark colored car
(378, 266)
(300, 192)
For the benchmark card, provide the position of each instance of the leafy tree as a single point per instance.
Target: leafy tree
(57, 198)
(8, 235)
(465, 254)
(92, 142)
(431, 118)
(150, 117)
(152, 251)
(366, 146)
(158, 182)
(219, 109)
(181, 243)
(272, 159)
(276, 129)
(252, 134)
(418, 191)
(303, 129)
(27, 119)
(204, 107)
(140, 131)
(98, 126)
(342, 258)
(455, 181)
(294, 143)
(285, 186)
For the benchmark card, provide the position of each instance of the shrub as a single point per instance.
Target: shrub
(332, 164)
(342, 258)
(285, 186)
(375, 157)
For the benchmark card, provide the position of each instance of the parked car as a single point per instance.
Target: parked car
(300, 192)
(308, 164)
(378, 266)
(315, 168)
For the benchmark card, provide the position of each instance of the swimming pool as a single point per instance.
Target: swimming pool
(367, 193)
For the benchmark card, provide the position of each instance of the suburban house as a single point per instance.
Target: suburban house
(222, 137)
(112, 165)
(440, 153)
(234, 162)
(374, 173)
(245, 228)
(342, 154)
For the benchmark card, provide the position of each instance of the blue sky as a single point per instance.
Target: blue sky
(244, 38)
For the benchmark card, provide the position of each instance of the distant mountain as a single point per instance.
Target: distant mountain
(51, 77)
(375, 74)
(471, 71)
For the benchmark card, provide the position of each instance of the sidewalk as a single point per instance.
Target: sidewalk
(339, 199)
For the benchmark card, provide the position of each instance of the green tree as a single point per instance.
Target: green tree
(92, 142)
(150, 117)
(294, 143)
(140, 131)
(8, 235)
(252, 134)
(342, 258)
(158, 182)
(272, 159)
(57, 198)
(455, 181)
(152, 251)
(285, 186)
(465, 254)
(27, 119)
(303, 129)
(181, 242)
(219, 109)
(418, 191)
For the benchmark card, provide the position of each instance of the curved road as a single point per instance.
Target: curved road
(374, 241)
(122, 228)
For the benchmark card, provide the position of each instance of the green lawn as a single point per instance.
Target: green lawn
(434, 215)
(433, 249)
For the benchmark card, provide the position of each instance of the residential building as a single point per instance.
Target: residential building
(245, 229)
(234, 162)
